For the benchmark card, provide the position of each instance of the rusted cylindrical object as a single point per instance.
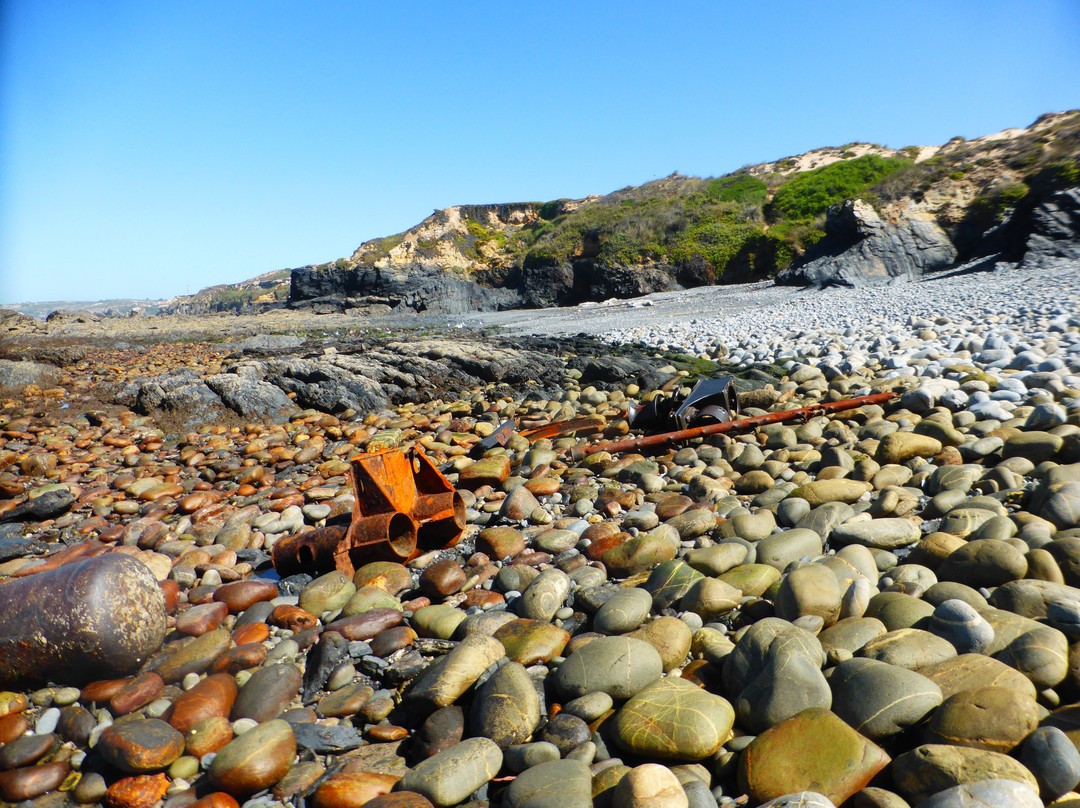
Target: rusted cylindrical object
(380, 537)
(440, 519)
(304, 551)
(663, 439)
(90, 619)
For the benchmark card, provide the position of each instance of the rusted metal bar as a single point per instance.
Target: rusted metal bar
(506, 430)
(568, 427)
(663, 439)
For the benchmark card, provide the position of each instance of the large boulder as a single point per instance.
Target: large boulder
(861, 249)
(570, 283)
(21, 374)
(416, 286)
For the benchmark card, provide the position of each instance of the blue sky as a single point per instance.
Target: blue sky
(149, 149)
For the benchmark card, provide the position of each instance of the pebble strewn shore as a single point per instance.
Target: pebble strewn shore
(879, 608)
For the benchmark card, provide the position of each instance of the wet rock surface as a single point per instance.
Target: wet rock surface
(867, 608)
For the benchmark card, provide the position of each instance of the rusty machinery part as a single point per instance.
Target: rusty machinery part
(665, 438)
(507, 429)
(306, 551)
(711, 401)
(585, 423)
(404, 507)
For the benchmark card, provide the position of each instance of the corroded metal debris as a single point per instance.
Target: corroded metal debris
(404, 507)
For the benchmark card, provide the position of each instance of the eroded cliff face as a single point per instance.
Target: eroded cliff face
(861, 248)
(966, 204)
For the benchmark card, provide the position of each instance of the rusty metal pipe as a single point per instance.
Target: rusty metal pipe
(381, 536)
(301, 552)
(663, 439)
(440, 518)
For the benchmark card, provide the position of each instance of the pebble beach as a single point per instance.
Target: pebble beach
(875, 608)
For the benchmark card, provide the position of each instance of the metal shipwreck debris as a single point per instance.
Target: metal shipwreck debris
(711, 401)
(663, 439)
(404, 507)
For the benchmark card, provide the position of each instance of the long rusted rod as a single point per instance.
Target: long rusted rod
(664, 438)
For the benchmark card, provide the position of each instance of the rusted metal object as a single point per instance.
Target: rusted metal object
(663, 439)
(87, 619)
(404, 507)
(711, 401)
(304, 551)
(507, 429)
(585, 423)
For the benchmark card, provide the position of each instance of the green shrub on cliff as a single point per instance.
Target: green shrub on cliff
(992, 207)
(737, 188)
(812, 192)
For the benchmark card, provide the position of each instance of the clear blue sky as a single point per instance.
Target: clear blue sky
(153, 148)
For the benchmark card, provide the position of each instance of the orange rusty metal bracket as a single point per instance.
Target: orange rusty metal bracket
(404, 507)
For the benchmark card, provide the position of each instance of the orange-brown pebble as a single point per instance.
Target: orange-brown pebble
(293, 618)
(482, 597)
(212, 697)
(387, 732)
(11, 703)
(137, 693)
(102, 690)
(279, 505)
(140, 791)
(170, 590)
(207, 736)
(32, 781)
(367, 624)
(12, 726)
(252, 632)
(240, 658)
(400, 799)
(201, 619)
(392, 639)
(216, 799)
(243, 594)
(192, 502)
(353, 789)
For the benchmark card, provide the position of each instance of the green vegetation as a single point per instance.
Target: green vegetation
(753, 223)
(812, 192)
(235, 298)
(481, 236)
(742, 188)
(992, 207)
(711, 226)
(549, 210)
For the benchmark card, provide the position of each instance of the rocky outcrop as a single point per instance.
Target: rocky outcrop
(860, 249)
(361, 377)
(1043, 231)
(1054, 232)
(416, 287)
(570, 283)
(17, 321)
(20, 374)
